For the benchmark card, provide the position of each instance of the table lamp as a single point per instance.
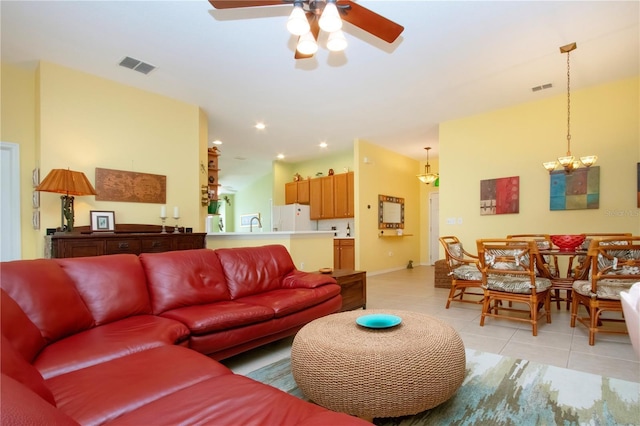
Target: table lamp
(69, 183)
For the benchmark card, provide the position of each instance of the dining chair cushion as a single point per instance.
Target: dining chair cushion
(456, 250)
(467, 272)
(512, 284)
(522, 260)
(608, 288)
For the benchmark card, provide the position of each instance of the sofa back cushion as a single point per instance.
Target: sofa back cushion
(113, 287)
(19, 405)
(18, 328)
(48, 296)
(14, 365)
(253, 270)
(183, 278)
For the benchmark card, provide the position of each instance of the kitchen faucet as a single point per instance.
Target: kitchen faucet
(251, 223)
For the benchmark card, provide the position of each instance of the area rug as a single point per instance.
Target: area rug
(499, 390)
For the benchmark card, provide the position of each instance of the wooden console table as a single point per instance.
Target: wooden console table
(133, 239)
(353, 290)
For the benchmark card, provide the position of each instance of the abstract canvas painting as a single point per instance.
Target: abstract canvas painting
(575, 191)
(500, 196)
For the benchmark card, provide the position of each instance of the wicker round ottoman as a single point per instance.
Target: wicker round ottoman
(369, 373)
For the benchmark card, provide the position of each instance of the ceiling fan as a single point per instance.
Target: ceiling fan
(310, 16)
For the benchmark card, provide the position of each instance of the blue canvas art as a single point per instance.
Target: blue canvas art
(575, 191)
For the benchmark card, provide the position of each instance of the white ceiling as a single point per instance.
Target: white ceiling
(454, 59)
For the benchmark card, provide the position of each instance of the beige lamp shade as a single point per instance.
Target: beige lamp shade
(65, 181)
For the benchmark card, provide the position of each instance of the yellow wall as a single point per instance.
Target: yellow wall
(83, 122)
(515, 141)
(385, 173)
(17, 125)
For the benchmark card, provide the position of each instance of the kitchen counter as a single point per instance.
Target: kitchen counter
(310, 250)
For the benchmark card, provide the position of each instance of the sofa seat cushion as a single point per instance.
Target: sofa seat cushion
(243, 401)
(236, 340)
(109, 341)
(104, 392)
(286, 301)
(608, 288)
(202, 319)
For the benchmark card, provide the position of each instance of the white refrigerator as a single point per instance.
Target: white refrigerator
(292, 217)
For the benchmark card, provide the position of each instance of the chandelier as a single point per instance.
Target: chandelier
(569, 163)
(427, 177)
(298, 24)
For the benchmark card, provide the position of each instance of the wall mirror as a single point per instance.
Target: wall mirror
(390, 212)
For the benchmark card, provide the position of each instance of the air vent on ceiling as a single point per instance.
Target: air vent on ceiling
(542, 87)
(136, 65)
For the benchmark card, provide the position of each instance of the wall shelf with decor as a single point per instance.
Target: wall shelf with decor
(394, 235)
(212, 186)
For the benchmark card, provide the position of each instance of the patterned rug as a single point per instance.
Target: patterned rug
(499, 390)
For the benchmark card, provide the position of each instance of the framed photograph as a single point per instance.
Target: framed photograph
(245, 220)
(35, 219)
(102, 221)
(35, 177)
(35, 199)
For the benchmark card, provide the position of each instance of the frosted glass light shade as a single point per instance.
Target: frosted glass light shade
(589, 160)
(565, 161)
(336, 42)
(307, 44)
(330, 19)
(297, 23)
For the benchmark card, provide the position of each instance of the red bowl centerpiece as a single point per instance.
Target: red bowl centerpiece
(567, 242)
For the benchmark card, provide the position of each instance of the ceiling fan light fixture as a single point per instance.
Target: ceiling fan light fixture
(337, 41)
(298, 23)
(307, 44)
(330, 19)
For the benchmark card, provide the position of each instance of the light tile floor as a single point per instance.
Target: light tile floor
(556, 344)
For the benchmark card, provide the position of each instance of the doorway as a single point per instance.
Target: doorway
(434, 227)
(10, 248)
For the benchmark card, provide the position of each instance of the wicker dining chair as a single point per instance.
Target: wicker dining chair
(509, 274)
(615, 267)
(463, 270)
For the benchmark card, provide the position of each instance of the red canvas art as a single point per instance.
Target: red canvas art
(500, 196)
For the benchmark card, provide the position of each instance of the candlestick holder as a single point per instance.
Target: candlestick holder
(164, 229)
(176, 230)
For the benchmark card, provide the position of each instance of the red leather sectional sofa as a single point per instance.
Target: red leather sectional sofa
(122, 339)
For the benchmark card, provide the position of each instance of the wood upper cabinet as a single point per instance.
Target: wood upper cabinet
(344, 188)
(321, 202)
(297, 192)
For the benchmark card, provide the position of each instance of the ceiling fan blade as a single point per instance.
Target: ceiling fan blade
(315, 30)
(232, 4)
(370, 21)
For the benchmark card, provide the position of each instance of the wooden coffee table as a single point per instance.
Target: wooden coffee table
(369, 373)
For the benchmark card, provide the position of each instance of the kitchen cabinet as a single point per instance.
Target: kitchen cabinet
(344, 253)
(297, 192)
(321, 198)
(343, 193)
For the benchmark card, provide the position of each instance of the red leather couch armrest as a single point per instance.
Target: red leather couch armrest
(300, 279)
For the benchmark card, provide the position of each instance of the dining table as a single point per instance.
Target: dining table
(563, 282)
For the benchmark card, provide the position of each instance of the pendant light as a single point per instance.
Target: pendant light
(427, 177)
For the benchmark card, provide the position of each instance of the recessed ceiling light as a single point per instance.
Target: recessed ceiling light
(323, 144)
(280, 156)
(217, 142)
(260, 126)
